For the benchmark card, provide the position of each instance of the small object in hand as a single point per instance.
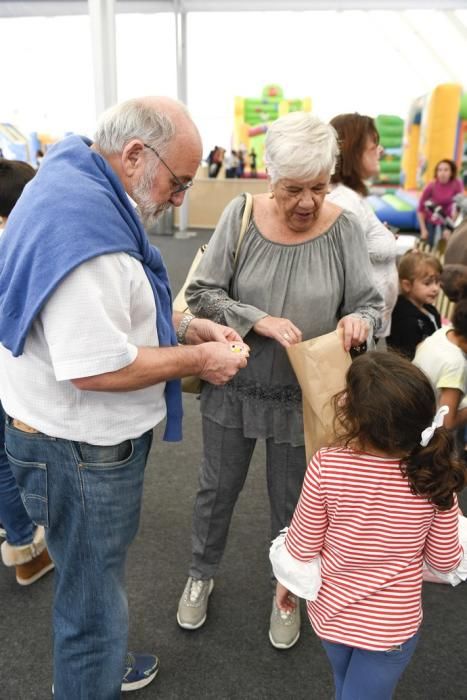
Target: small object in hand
(236, 348)
(358, 350)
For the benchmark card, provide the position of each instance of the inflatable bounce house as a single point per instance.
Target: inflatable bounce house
(253, 114)
(14, 145)
(391, 134)
(436, 128)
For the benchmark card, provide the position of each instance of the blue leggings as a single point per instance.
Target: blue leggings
(361, 674)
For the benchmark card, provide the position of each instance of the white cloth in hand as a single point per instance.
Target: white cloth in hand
(301, 578)
(460, 574)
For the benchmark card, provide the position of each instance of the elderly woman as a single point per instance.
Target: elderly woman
(302, 269)
(359, 161)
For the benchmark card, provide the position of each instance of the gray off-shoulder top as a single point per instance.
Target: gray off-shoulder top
(313, 284)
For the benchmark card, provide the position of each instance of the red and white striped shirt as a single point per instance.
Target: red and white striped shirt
(357, 511)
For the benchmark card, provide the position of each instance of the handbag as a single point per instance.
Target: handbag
(192, 384)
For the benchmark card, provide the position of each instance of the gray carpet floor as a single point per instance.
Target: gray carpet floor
(230, 658)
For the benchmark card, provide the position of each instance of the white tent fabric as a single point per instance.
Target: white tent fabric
(368, 60)
(17, 8)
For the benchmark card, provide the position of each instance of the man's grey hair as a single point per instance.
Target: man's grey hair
(129, 120)
(300, 146)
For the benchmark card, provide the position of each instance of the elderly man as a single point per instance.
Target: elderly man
(90, 363)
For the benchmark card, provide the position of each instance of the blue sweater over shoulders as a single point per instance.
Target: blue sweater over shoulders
(73, 210)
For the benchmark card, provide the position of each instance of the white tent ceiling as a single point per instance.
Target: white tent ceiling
(403, 34)
(18, 8)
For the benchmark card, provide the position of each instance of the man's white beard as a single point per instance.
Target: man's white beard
(149, 211)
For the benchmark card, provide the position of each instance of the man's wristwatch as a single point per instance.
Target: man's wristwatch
(183, 327)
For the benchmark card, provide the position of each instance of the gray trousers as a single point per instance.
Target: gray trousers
(224, 467)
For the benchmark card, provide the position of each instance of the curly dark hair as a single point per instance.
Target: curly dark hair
(386, 404)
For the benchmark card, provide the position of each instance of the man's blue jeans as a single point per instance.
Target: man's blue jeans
(89, 500)
(13, 516)
(361, 674)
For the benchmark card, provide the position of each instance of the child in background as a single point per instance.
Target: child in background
(442, 358)
(414, 317)
(24, 547)
(439, 196)
(373, 508)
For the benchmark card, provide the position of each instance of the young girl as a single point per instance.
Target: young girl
(442, 357)
(414, 317)
(373, 508)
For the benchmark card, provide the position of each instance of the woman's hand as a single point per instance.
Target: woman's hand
(281, 329)
(355, 331)
(201, 330)
(284, 601)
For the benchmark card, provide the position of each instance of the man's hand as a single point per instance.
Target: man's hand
(281, 329)
(284, 601)
(355, 331)
(221, 361)
(201, 330)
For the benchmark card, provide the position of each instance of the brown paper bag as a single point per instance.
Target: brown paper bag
(320, 365)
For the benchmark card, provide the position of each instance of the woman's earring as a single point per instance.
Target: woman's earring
(271, 195)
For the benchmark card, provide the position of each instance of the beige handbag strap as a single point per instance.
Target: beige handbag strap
(245, 221)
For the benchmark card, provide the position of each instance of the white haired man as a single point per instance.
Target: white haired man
(90, 363)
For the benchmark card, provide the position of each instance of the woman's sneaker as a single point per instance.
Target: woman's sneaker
(193, 605)
(284, 629)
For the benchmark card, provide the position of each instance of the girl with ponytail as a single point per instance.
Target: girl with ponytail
(374, 508)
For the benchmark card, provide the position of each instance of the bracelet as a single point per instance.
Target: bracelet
(183, 327)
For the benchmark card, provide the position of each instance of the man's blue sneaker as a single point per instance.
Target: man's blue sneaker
(141, 669)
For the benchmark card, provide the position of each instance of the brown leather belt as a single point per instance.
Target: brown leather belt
(19, 425)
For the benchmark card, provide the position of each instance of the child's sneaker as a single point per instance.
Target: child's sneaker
(141, 669)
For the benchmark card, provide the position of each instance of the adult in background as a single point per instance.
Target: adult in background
(89, 363)
(437, 201)
(302, 270)
(454, 275)
(359, 161)
(253, 158)
(24, 546)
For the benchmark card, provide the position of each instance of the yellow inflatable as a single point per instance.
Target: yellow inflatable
(435, 129)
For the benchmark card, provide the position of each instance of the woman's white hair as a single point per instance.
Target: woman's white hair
(129, 120)
(300, 146)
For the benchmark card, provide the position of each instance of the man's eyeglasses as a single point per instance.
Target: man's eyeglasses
(181, 186)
